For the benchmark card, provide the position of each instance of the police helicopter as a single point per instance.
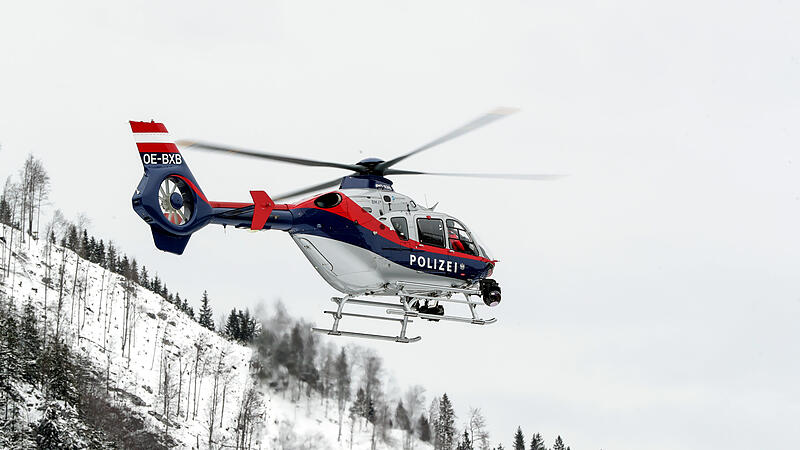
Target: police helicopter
(365, 239)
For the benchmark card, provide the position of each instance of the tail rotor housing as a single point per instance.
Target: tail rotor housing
(168, 197)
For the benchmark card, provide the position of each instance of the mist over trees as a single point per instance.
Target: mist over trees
(37, 349)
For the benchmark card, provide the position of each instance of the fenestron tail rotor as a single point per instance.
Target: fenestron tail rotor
(176, 201)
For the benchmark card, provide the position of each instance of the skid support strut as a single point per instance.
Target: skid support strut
(339, 314)
(411, 296)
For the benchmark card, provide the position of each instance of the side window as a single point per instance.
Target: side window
(400, 226)
(431, 232)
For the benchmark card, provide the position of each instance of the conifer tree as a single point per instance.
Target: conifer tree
(184, 306)
(9, 357)
(83, 251)
(144, 279)
(247, 326)
(445, 431)
(60, 372)
(519, 440)
(466, 443)
(296, 347)
(72, 238)
(401, 417)
(359, 406)
(30, 345)
(537, 443)
(90, 251)
(424, 428)
(124, 267)
(100, 253)
(370, 413)
(111, 258)
(48, 432)
(155, 286)
(308, 372)
(283, 352)
(232, 328)
(206, 318)
(559, 445)
(134, 270)
(5, 211)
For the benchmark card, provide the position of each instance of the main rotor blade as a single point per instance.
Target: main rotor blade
(505, 176)
(485, 119)
(271, 156)
(317, 187)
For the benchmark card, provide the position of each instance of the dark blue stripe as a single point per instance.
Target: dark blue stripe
(326, 224)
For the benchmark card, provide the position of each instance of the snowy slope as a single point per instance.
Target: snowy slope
(137, 339)
(93, 321)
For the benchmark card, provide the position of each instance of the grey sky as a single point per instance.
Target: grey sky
(650, 299)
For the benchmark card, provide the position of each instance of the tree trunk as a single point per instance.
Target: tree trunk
(222, 410)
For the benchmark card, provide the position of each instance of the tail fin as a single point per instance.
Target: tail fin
(168, 197)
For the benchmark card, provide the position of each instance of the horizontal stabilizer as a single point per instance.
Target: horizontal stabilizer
(262, 207)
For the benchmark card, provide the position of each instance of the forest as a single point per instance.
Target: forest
(83, 407)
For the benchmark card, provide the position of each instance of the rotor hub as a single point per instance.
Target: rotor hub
(369, 164)
(176, 200)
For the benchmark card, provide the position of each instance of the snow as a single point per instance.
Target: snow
(93, 324)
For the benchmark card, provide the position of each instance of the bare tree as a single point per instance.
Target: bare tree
(218, 374)
(414, 399)
(11, 195)
(52, 229)
(200, 348)
(183, 367)
(34, 183)
(227, 378)
(342, 386)
(167, 390)
(251, 410)
(81, 222)
(476, 425)
(372, 366)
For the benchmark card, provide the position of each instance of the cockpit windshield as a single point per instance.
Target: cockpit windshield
(460, 238)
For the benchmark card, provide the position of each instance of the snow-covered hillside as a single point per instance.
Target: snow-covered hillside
(137, 339)
(182, 379)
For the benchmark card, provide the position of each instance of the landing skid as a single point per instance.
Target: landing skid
(409, 294)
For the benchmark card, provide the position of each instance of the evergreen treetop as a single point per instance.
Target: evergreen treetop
(519, 440)
(206, 318)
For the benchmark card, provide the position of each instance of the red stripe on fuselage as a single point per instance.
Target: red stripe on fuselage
(352, 211)
(157, 147)
(229, 204)
(236, 205)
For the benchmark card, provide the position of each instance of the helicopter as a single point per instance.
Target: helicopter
(365, 239)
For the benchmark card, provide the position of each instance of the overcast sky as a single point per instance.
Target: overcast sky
(651, 299)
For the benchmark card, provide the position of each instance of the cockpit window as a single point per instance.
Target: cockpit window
(460, 239)
(400, 225)
(431, 232)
